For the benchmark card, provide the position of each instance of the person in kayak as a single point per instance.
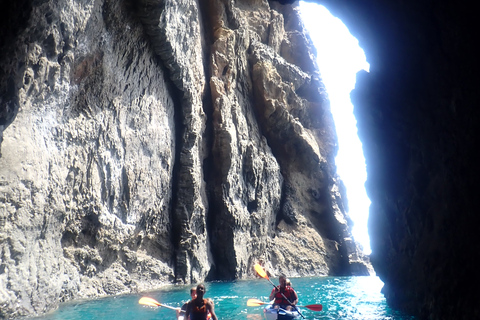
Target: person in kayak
(183, 309)
(199, 308)
(284, 296)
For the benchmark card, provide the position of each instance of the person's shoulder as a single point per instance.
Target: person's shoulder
(188, 304)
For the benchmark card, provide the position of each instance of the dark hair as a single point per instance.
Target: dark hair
(202, 287)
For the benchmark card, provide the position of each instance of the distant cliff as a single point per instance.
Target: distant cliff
(149, 142)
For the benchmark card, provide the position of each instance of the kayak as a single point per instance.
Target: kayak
(182, 317)
(280, 314)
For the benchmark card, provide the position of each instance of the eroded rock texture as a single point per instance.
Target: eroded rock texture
(158, 141)
(418, 116)
(87, 163)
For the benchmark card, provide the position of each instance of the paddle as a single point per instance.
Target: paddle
(264, 275)
(146, 301)
(256, 303)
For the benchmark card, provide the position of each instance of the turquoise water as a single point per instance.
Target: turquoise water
(356, 298)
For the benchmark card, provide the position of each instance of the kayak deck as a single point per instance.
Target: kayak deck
(279, 314)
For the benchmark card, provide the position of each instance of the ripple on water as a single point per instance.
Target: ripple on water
(352, 298)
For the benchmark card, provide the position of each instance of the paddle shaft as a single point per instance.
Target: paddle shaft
(152, 302)
(168, 307)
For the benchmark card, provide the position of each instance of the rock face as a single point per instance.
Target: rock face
(158, 141)
(418, 116)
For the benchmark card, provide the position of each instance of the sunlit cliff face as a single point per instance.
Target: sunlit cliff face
(154, 142)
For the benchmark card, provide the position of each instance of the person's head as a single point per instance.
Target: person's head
(288, 283)
(200, 291)
(193, 293)
(283, 280)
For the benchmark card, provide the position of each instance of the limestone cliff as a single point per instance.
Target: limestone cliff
(158, 141)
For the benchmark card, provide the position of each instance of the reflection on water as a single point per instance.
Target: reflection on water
(353, 298)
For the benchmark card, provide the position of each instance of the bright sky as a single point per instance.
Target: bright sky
(339, 58)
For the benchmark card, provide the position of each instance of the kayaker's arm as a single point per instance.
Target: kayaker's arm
(189, 309)
(211, 309)
(295, 301)
(181, 311)
(272, 294)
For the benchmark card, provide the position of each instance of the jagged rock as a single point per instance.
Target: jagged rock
(152, 142)
(417, 116)
(176, 33)
(87, 164)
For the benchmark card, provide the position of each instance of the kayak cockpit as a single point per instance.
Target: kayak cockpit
(272, 313)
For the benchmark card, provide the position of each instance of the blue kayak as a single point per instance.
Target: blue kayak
(280, 314)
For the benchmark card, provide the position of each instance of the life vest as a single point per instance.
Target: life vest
(288, 292)
(200, 312)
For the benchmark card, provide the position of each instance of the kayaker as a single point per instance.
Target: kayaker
(181, 312)
(284, 296)
(199, 308)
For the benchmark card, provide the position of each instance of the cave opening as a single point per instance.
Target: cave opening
(339, 58)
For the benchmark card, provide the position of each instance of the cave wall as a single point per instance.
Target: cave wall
(153, 142)
(87, 161)
(417, 117)
(72, 123)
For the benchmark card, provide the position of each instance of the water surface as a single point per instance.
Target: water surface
(356, 298)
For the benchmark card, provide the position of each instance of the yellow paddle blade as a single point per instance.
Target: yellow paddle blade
(255, 303)
(260, 271)
(149, 302)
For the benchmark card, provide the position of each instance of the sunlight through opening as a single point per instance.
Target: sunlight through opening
(339, 58)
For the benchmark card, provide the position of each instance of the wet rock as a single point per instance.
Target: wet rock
(152, 142)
